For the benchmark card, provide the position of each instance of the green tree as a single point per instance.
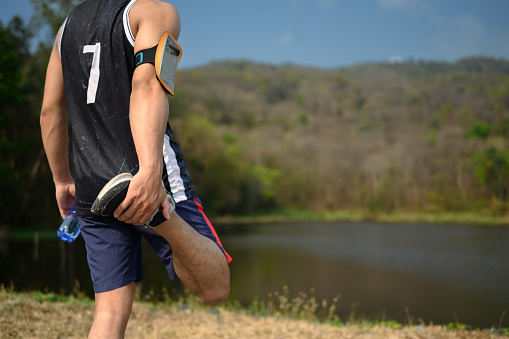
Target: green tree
(51, 14)
(15, 140)
(491, 167)
(480, 130)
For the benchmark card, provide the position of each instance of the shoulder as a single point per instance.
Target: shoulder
(156, 7)
(155, 15)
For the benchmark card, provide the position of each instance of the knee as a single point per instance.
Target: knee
(114, 317)
(113, 314)
(216, 295)
(109, 324)
(110, 311)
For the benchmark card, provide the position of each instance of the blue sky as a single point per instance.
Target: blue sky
(332, 33)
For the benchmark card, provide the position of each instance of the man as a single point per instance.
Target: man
(118, 115)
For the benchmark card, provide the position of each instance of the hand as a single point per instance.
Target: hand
(145, 194)
(65, 193)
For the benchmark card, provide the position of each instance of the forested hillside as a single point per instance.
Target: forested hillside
(412, 136)
(423, 136)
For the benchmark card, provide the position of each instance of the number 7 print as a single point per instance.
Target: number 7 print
(93, 80)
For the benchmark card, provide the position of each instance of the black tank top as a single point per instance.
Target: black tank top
(96, 48)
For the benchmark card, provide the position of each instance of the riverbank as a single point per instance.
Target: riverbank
(465, 218)
(39, 315)
(289, 216)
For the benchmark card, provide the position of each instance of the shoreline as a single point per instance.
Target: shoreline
(287, 216)
(304, 216)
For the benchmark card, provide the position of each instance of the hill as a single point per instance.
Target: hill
(407, 136)
(416, 136)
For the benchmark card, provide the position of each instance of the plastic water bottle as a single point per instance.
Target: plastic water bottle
(70, 228)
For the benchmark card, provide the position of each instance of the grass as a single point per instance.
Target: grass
(302, 307)
(306, 307)
(470, 218)
(49, 315)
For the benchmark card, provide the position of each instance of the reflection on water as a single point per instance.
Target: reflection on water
(439, 273)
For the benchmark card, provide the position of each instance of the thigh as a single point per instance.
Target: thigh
(161, 247)
(191, 211)
(113, 252)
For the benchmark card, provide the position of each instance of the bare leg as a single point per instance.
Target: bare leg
(112, 311)
(198, 261)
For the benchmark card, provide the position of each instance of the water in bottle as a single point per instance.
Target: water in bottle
(70, 228)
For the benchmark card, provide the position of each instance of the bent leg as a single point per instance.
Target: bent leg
(198, 261)
(112, 311)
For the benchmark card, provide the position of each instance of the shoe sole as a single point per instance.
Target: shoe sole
(113, 192)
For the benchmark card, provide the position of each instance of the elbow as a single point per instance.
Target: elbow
(45, 114)
(51, 116)
(144, 86)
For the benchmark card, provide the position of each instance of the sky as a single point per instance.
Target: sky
(332, 33)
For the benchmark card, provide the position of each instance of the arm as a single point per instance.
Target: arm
(148, 114)
(198, 261)
(54, 132)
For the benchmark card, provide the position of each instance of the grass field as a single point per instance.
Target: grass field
(48, 315)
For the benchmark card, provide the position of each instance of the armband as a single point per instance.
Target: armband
(165, 57)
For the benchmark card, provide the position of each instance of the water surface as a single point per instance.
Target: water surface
(437, 273)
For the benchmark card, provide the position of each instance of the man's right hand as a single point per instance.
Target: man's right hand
(145, 194)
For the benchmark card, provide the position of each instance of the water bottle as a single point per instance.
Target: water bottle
(70, 228)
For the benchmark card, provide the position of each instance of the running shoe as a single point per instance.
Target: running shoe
(115, 191)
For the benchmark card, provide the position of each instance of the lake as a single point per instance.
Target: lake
(433, 273)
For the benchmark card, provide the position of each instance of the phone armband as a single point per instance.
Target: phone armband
(165, 57)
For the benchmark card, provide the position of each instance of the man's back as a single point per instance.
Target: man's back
(97, 48)
(97, 67)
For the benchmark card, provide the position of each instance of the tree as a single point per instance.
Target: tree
(492, 170)
(15, 141)
(51, 14)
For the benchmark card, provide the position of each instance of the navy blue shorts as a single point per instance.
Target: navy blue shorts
(114, 247)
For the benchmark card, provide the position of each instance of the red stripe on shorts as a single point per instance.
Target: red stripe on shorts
(200, 208)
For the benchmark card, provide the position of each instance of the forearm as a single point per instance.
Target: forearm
(148, 115)
(54, 120)
(148, 118)
(55, 140)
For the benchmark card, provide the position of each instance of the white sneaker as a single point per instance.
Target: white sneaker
(115, 191)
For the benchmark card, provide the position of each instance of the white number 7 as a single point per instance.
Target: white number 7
(93, 80)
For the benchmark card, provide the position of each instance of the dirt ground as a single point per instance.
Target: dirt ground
(38, 316)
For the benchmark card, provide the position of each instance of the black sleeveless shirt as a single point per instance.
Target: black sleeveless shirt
(96, 48)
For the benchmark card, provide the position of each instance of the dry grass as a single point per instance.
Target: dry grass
(37, 315)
